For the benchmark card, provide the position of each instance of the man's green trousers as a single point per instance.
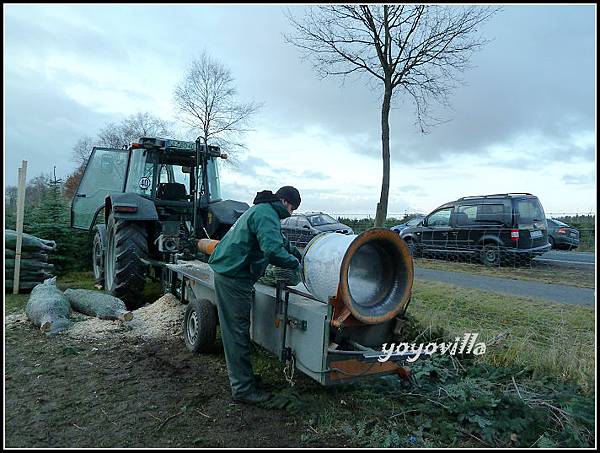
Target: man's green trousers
(234, 299)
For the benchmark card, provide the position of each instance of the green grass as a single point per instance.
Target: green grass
(549, 338)
(539, 272)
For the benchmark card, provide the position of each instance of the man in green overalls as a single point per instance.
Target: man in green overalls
(238, 261)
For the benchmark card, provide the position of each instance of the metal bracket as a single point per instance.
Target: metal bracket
(296, 323)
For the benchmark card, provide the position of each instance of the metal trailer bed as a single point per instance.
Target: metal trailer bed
(290, 323)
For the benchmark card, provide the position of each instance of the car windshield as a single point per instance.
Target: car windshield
(414, 221)
(321, 219)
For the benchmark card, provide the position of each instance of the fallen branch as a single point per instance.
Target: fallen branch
(203, 414)
(475, 437)
(104, 412)
(167, 419)
(403, 413)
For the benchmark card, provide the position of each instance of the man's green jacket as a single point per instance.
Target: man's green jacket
(255, 240)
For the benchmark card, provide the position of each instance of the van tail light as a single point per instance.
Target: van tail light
(514, 235)
(562, 231)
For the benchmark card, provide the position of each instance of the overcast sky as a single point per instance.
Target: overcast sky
(523, 122)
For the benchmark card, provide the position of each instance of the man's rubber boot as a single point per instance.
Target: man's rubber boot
(254, 397)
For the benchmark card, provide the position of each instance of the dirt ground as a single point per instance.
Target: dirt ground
(109, 384)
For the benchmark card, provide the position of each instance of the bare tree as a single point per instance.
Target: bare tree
(206, 102)
(114, 135)
(118, 135)
(417, 49)
(82, 150)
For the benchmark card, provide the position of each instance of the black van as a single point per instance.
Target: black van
(494, 228)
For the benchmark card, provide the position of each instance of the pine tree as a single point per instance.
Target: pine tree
(50, 220)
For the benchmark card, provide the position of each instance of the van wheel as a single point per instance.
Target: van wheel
(200, 325)
(490, 255)
(412, 247)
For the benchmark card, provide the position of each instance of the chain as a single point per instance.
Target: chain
(288, 371)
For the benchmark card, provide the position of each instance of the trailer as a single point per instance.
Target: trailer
(322, 339)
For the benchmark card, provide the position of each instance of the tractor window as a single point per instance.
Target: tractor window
(181, 177)
(163, 176)
(214, 183)
(141, 174)
(104, 174)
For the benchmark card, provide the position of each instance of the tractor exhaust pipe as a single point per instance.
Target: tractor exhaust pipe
(371, 274)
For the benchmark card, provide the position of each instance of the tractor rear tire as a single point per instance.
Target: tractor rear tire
(200, 325)
(125, 273)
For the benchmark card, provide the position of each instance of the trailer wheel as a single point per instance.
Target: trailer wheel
(125, 273)
(98, 259)
(200, 325)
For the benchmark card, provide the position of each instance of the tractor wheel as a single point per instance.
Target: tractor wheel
(200, 325)
(125, 273)
(98, 259)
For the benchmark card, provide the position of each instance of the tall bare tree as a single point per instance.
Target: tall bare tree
(205, 100)
(416, 49)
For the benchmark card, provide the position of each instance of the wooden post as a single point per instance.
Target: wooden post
(19, 227)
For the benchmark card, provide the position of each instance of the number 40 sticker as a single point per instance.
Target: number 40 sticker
(144, 183)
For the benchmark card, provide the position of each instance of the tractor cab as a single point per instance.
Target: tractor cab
(160, 170)
(147, 204)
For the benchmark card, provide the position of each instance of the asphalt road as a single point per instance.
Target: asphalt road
(568, 258)
(521, 288)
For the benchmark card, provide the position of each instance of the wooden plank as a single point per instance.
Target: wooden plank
(19, 226)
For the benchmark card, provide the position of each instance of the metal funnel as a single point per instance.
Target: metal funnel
(371, 273)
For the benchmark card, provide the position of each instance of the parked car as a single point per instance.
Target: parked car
(301, 228)
(561, 235)
(412, 222)
(492, 228)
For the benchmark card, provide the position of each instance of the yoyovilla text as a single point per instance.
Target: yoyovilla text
(465, 346)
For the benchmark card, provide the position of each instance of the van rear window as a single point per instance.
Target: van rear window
(480, 214)
(529, 211)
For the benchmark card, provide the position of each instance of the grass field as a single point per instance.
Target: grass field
(534, 386)
(583, 277)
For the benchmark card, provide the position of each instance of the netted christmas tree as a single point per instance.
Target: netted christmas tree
(49, 219)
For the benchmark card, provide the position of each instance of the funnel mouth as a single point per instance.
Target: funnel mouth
(376, 276)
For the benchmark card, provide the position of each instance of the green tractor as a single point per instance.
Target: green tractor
(146, 205)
